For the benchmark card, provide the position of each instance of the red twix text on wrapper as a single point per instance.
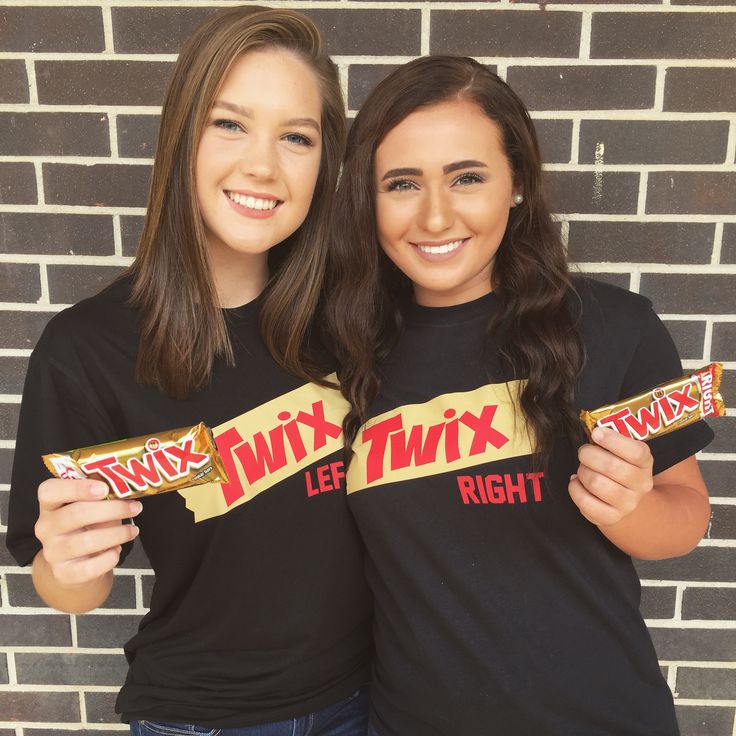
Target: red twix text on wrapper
(664, 408)
(143, 466)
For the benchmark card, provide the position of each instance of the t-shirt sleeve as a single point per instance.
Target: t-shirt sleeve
(655, 361)
(56, 415)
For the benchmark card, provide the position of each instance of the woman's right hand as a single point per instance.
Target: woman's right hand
(82, 534)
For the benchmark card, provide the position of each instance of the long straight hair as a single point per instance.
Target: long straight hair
(183, 328)
(534, 325)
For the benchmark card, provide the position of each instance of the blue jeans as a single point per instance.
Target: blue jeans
(348, 717)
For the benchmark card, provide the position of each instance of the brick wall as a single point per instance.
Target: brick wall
(636, 106)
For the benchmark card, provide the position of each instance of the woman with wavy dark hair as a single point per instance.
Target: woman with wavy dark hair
(499, 540)
(259, 620)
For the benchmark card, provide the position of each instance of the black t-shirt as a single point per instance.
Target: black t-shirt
(501, 611)
(260, 611)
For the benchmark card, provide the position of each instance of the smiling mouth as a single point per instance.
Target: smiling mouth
(253, 203)
(440, 248)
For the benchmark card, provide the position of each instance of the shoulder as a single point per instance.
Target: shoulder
(99, 317)
(598, 300)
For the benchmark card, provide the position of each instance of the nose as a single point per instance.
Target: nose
(436, 213)
(259, 159)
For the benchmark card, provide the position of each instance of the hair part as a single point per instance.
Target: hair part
(183, 328)
(534, 326)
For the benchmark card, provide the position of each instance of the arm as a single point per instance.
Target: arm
(647, 516)
(81, 537)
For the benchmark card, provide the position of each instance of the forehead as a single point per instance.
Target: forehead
(448, 131)
(271, 77)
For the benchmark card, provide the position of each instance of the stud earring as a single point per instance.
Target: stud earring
(518, 198)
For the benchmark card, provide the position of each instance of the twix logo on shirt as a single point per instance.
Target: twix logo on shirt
(452, 431)
(268, 444)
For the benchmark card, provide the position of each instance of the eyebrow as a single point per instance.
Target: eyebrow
(448, 169)
(248, 113)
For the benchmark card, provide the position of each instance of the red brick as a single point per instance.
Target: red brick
(705, 720)
(58, 234)
(505, 33)
(641, 242)
(131, 227)
(362, 78)
(20, 282)
(9, 421)
(654, 142)
(686, 293)
(101, 185)
(700, 89)
(709, 603)
(102, 82)
(704, 564)
(575, 191)
(71, 669)
(657, 601)
(723, 345)
(691, 192)
(21, 330)
(54, 134)
(370, 32)
(156, 30)
(720, 477)
(698, 683)
(555, 140)
(39, 706)
(12, 374)
(18, 183)
(14, 88)
(70, 284)
(137, 135)
(50, 29)
(47, 631)
(663, 35)
(584, 87)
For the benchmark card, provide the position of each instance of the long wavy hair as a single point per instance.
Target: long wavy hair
(183, 328)
(534, 325)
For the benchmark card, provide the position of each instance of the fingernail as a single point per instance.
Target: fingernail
(573, 476)
(598, 434)
(135, 531)
(98, 490)
(136, 507)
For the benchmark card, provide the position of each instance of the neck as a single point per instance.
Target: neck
(239, 278)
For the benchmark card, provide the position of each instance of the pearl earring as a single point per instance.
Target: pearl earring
(518, 198)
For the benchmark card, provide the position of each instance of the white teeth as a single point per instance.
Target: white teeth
(252, 203)
(444, 248)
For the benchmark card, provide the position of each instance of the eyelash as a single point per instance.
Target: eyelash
(402, 185)
(232, 127)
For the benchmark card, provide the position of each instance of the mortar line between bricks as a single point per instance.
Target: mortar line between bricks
(719, 544)
(44, 298)
(107, 28)
(360, 4)
(14, 352)
(575, 146)
(10, 399)
(12, 672)
(552, 114)
(717, 243)
(425, 30)
(111, 260)
(61, 209)
(635, 281)
(699, 663)
(718, 456)
(659, 80)
(731, 143)
(31, 77)
(708, 339)
(73, 631)
(585, 32)
(671, 268)
(112, 124)
(679, 594)
(641, 201)
(733, 731)
(672, 677)
(690, 624)
(715, 703)
(81, 160)
(382, 59)
(117, 236)
(38, 169)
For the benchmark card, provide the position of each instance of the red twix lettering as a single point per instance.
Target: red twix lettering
(419, 444)
(266, 451)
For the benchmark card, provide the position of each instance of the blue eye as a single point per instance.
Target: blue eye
(229, 125)
(298, 139)
(400, 185)
(469, 178)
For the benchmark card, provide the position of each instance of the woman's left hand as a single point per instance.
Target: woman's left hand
(613, 477)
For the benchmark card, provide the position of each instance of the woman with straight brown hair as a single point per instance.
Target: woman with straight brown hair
(499, 538)
(259, 617)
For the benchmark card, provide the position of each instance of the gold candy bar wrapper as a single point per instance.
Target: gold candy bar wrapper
(144, 466)
(665, 408)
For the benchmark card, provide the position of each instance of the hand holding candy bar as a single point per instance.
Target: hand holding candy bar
(613, 477)
(81, 536)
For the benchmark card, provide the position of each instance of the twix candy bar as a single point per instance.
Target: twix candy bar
(664, 408)
(143, 466)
